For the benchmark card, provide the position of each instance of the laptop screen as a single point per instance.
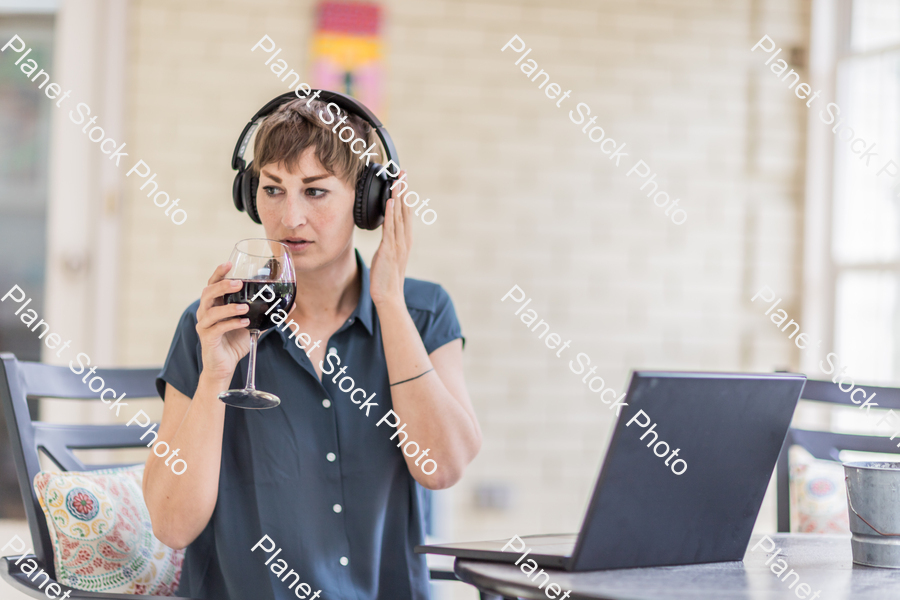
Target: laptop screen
(687, 468)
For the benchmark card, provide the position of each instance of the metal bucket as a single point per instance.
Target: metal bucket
(873, 495)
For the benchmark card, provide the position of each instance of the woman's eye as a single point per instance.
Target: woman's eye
(271, 190)
(316, 192)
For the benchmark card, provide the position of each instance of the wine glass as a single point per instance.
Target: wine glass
(267, 273)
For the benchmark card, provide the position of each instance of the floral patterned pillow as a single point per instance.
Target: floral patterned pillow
(101, 533)
(818, 494)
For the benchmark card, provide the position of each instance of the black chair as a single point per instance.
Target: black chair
(22, 381)
(826, 445)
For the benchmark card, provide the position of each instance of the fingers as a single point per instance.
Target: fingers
(396, 233)
(223, 327)
(404, 227)
(399, 212)
(406, 210)
(212, 294)
(407, 226)
(217, 314)
(387, 233)
(207, 296)
(399, 228)
(395, 193)
(219, 273)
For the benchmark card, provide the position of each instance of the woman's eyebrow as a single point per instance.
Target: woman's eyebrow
(314, 178)
(310, 179)
(270, 176)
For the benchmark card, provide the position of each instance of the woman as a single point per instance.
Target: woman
(315, 474)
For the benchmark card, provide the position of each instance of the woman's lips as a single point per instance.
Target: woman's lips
(296, 245)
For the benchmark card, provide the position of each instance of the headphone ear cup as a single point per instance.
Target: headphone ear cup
(236, 190)
(249, 183)
(372, 193)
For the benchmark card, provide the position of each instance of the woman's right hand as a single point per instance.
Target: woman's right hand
(221, 327)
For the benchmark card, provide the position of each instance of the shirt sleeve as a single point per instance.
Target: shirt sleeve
(438, 323)
(184, 362)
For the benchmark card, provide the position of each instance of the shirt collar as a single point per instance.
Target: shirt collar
(364, 312)
(364, 308)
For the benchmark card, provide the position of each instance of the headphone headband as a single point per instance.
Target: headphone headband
(343, 101)
(372, 184)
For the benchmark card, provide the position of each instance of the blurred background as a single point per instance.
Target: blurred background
(773, 198)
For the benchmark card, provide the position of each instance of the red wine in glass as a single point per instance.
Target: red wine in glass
(267, 272)
(255, 293)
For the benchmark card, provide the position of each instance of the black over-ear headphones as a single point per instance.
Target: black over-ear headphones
(372, 191)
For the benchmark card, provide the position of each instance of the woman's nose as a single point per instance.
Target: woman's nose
(294, 214)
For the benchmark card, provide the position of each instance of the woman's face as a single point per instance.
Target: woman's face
(309, 210)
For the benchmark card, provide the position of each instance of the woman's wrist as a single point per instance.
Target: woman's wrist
(212, 383)
(396, 302)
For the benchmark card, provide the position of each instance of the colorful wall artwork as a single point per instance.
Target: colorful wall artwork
(347, 51)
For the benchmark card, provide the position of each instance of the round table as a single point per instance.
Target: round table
(824, 562)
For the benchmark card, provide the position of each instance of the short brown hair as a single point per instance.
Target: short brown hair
(285, 134)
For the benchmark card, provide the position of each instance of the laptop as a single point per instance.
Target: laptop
(727, 429)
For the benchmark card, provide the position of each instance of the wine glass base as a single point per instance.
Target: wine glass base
(249, 399)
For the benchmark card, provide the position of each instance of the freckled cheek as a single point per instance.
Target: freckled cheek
(284, 213)
(330, 219)
(269, 214)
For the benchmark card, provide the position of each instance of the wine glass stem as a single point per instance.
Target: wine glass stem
(251, 369)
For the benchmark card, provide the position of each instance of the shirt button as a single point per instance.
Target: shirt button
(330, 456)
(326, 403)
(345, 561)
(337, 508)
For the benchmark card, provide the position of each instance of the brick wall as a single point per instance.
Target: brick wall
(522, 197)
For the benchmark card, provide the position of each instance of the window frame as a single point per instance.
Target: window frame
(830, 49)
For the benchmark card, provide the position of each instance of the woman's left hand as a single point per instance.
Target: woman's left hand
(389, 263)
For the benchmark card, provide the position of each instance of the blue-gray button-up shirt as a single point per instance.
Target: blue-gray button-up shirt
(314, 474)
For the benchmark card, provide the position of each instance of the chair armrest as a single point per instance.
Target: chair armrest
(12, 574)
